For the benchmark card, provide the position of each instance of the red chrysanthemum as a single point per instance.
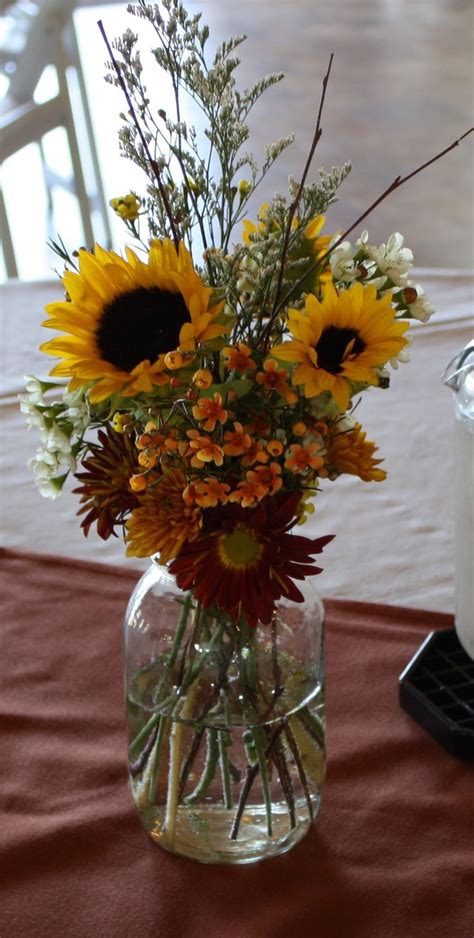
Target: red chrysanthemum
(106, 496)
(248, 559)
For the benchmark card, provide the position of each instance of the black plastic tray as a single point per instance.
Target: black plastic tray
(437, 690)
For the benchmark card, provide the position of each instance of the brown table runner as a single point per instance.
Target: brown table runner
(390, 855)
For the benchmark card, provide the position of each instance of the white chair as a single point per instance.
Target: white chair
(42, 34)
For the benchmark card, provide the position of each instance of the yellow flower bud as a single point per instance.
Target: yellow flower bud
(138, 483)
(202, 379)
(174, 360)
(244, 188)
(126, 207)
(299, 429)
(121, 422)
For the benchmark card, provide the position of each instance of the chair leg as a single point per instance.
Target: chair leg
(7, 243)
(73, 49)
(79, 180)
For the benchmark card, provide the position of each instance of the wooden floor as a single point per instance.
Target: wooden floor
(401, 90)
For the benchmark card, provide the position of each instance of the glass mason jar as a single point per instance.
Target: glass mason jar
(226, 724)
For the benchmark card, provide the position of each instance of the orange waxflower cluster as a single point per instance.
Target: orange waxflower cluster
(238, 444)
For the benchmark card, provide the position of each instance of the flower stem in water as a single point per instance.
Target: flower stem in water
(212, 755)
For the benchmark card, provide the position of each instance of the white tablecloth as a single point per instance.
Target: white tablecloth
(394, 540)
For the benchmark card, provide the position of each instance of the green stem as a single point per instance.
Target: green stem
(224, 741)
(212, 755)
(299, 764)
(156, 758)
(135, 746)
(180, 630)
(252, 771)
(188, 764)
(278, 756)
(312, 725)
(172, 796)
(258, 737)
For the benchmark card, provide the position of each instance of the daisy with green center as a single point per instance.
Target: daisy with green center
(125, 315)
(343, 338)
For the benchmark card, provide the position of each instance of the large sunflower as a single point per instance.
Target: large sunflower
(344, 337)
(248, 559)
(124, 315)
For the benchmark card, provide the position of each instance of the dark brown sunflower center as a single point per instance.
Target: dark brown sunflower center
(140, 325)
(332, 346)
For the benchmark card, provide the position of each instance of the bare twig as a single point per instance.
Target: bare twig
(252, 772)
(152, 162)
(397, 182)
(296, 200)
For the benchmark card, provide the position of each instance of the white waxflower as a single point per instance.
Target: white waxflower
(77, 411)
(34, 417)
(56, 442)
(48, 469)
(34, 389)
(421, 309)
(391, 258)
(346, 423)
(342, 263)
(378, 283)
(402, 358)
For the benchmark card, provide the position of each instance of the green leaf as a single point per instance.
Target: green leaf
(241, 386)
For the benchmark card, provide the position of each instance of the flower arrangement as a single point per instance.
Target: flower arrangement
(213, 369)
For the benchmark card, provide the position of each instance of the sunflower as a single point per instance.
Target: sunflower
(343, 338)
(124, 315)
(106, 496)
(163, 522)
(311, 245)
(247, 559)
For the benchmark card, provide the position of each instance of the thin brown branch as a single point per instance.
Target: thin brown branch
(252, 772)
(296, 200)
(152, 162)
(397, 182)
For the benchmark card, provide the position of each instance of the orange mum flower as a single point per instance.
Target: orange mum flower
(350, 451)
(302, 458)
(238, 359)
(248, 559)
(163, 522)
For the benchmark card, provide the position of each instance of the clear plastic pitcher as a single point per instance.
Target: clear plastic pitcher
(459, 376)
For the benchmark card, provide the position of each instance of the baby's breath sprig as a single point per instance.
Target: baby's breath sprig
(202, 189)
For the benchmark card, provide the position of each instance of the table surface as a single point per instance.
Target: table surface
(389, 855)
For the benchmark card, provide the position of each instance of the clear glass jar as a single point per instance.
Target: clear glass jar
(226, 724)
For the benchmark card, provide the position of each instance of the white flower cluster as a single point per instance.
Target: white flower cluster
(386, 267)
(57, 423)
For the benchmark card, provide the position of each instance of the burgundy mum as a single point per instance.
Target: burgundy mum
(248, 559)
